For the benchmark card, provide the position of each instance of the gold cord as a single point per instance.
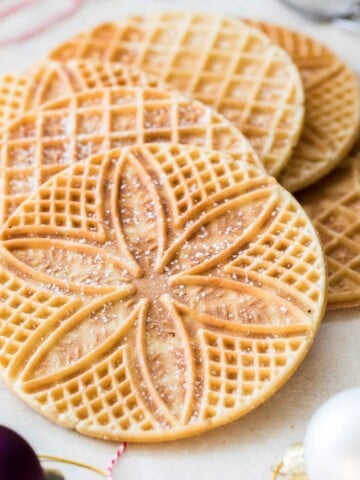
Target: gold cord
(72, 462)
(101, 472)
(277, 471)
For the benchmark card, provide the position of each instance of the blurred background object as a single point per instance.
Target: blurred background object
(345, 13)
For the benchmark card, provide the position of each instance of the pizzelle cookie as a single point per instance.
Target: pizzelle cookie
(334, 206)
(155, 292)
(332, 107)
(51, 80)
(44, 141)
(221, 62)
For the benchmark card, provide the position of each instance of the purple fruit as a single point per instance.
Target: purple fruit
(18, 461)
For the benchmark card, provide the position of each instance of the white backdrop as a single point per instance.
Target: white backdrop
(248, 448)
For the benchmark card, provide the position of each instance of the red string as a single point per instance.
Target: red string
(110, 468)
(74, 6)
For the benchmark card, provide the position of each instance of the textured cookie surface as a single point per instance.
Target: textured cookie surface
(332, 107)
(156, 292)
(222, 62)
(334, 206)
(42, 142)
(51, 80)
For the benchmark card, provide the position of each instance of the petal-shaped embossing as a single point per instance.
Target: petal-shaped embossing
(137, 213)
(70, 247)
(86, 333)
(235, 357)
(173, 318)
(166, 361)
(230, 304)
(152, 357)
(215, 236)
(100, 397)
(68, 266)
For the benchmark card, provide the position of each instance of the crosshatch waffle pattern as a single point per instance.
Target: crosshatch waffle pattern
(221, 62)
(334, 207)
(51, 80)
(43, 142)
(156, 314)
(238, 368)
(12, 96)
(23, 310)
(332, 107)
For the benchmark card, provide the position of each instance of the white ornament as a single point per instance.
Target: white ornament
(332, 441)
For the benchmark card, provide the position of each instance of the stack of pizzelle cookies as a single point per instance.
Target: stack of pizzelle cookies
(156, 280)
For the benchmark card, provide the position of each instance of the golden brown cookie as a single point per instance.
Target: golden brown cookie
(332, 107)
(334, 206)
(51, 80)
(221, 62)
(44, 141)
(156, 292)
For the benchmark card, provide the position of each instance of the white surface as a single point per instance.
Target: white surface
(248, 448)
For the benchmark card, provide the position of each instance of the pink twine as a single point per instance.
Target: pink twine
(74, 6)
(110, 468)
(16, 8)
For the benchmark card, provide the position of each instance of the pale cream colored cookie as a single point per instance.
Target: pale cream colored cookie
(222, 62)
(156, 292)
(44, 141)
(51, 80)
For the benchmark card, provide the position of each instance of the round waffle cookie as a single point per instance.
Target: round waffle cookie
(221, 62)
(51, 80)
(44, 141)
(332, 107)
(154, 292)
(334, 206)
